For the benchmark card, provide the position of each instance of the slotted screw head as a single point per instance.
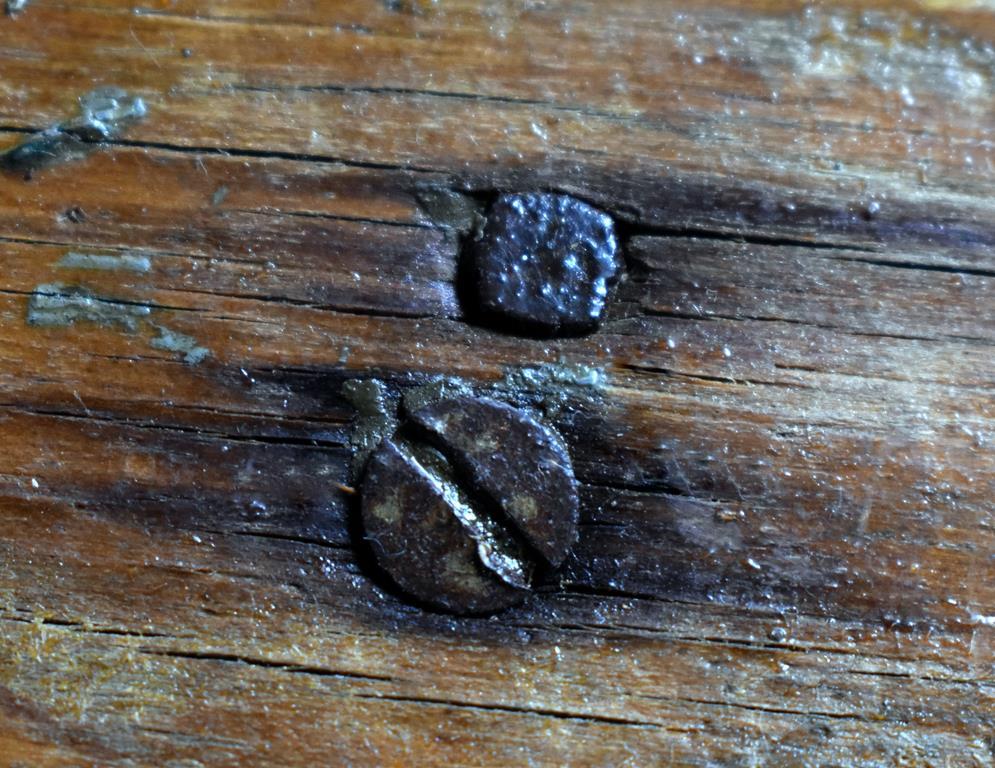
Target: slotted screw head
(467, 501)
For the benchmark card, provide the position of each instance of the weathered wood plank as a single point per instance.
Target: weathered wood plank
(783, 431)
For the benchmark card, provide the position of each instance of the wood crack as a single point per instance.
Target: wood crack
(419, 92)
(707, 379)
(346, 546)
(86, 628)
(314, 443)
(715, 316)
(411, 225)
(106, 301)
(822, 714)
(271, 154)
(255, 661)
(304, 304)
(630, 230)
(919, 266)
(516, 710)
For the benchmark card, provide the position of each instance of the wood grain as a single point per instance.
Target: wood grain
(784, 431)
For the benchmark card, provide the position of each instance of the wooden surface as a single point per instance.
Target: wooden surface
(784, 433)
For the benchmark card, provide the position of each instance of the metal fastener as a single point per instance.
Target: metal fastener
(467, 501)
(544, 264)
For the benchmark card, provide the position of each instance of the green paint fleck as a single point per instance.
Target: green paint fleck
(171, 341)
(55, 305)
(376, 418)
(126, 261)
(434, 391)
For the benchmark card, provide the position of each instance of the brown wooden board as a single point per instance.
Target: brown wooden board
(784, 431)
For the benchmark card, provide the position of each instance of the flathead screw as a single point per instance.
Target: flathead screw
(466, 501)
(544, 264)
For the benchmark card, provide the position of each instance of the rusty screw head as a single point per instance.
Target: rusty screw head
(466, 501)
(544, 264)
